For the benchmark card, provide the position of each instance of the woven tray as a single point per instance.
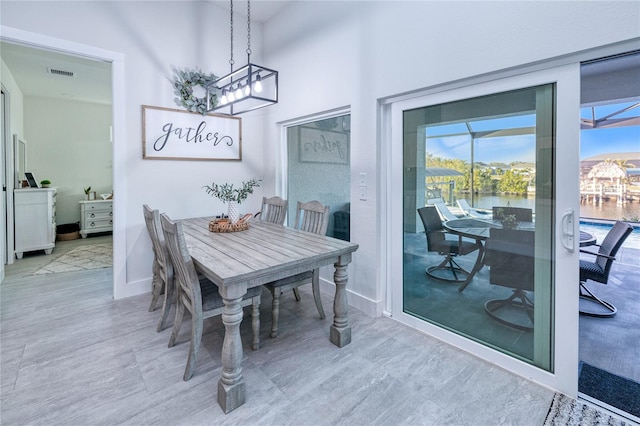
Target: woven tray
(223, 225)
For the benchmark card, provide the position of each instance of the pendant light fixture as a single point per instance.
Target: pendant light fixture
(246, 89)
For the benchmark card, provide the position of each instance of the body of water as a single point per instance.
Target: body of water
(600, 230)
(606, 210)
(589, 214)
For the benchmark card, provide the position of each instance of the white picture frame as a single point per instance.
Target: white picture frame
(173, 134)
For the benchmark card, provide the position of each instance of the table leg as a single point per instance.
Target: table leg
(476, 267)
(231, 386)
(340, 332)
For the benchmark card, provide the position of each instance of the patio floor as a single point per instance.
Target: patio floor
(611, 344)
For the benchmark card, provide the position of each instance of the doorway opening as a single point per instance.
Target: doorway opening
(67, 117)
(609, 192)
(116, 62)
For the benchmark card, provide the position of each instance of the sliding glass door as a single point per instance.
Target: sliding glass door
(496, 147)
(485, 243)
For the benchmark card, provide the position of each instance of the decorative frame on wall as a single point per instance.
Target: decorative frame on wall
(173, 134)
(20, 156)
(323, 146)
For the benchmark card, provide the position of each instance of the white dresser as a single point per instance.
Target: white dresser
(96, 216)
(35, 220)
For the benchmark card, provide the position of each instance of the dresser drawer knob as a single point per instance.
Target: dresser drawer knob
(93, 215)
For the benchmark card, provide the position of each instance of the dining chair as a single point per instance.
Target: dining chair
(437, 242)
(510, 254)
(311, 217)
(598, 270)
(274, 210)
(199, 295)
(162, 282)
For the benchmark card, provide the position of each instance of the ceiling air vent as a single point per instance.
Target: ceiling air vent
(60, 72)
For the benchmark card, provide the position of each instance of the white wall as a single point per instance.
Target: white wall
(332, 54)
(69, 144)
(16, 116)
(329, 55)
(154, 37)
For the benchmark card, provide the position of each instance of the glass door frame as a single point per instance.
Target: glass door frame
(564, 377)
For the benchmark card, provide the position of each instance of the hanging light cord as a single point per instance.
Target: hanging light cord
(248, 31)
(231, 61)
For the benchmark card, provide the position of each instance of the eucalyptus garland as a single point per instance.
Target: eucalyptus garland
(183, 86)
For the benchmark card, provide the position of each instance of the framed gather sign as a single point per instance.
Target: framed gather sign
(173, 134)
(323, 146)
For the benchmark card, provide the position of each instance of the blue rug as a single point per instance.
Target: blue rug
(611, 389)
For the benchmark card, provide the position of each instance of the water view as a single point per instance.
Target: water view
(605, 210)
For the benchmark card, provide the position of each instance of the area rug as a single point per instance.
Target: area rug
(90, 256)
(613, 390)
(566, 411)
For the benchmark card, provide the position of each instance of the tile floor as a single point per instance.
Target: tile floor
(71, 355)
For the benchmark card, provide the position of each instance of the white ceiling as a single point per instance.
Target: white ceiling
(261, 10)
(29, 66)
(92, 79)
(617, 79)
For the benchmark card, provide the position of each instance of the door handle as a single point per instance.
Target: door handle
(567, 236)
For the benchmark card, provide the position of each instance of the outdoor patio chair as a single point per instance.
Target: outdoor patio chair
(444, 211)
(510, 255)
(522, 214)
(162, 282)
(437, 242)
(274, 210)
(199, 295)
(473, 212)
(599, 269)
(310, 217)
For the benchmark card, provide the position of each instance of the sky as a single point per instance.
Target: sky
(522, 148)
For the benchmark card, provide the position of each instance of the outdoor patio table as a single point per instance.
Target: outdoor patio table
(236, 261)
(586, 239)
(477, 229)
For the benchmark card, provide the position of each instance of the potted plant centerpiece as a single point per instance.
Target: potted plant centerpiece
(45, 183)
(227, 194)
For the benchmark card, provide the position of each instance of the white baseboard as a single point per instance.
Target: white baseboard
(370, 307)
(134, 288)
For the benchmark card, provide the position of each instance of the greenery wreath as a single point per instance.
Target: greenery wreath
(183, 85)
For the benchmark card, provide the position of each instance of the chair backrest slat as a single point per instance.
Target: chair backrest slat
(186, 275)
(274, 210)
(312, 217)
(160, 251)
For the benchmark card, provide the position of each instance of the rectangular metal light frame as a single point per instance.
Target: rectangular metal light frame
(251, 102)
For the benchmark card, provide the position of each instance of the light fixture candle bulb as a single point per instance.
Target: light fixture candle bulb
(223, 99)
(257, 86)
(247, 89)
(239, 93)
(231, 97)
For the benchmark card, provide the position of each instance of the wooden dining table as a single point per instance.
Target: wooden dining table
(236, 261)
